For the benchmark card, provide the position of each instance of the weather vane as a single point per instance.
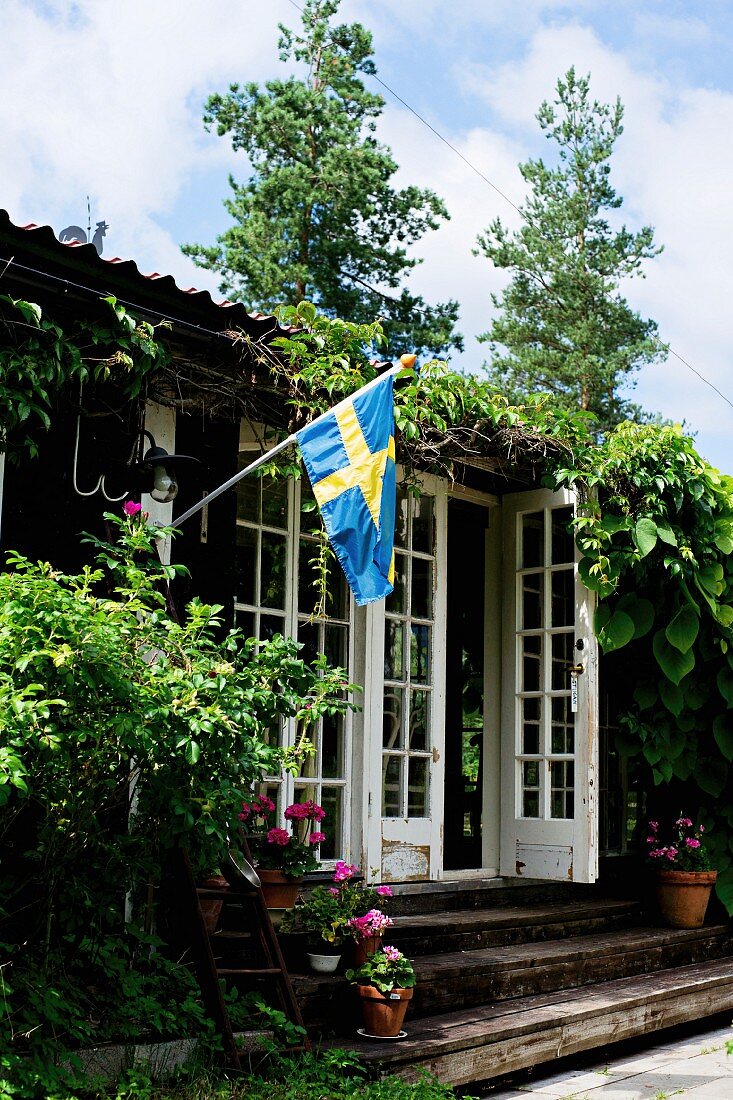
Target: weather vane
(76, 233)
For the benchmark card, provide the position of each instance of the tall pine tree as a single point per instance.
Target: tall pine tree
(563, 325)
(319, 217)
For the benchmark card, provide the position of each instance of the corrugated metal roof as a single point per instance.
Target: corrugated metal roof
(34, 250)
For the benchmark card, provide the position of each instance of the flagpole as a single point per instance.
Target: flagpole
(279, 447)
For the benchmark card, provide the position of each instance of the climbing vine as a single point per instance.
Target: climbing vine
(39, 358)
(654, 526)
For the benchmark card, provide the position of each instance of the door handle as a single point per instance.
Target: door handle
(575, 669)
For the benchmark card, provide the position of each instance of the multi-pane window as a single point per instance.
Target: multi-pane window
(546, 641)
(277, 593)
(408, 664)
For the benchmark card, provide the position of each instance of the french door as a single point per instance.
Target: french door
(405, 722)
(549, 820)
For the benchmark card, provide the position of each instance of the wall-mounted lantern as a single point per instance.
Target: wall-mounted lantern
(158, 470)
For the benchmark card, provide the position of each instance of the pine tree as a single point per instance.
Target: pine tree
(319, 217)
(563, 326)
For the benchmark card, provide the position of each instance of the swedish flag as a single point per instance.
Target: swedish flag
(349, 454)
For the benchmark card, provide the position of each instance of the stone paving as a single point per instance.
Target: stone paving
(694, 1067)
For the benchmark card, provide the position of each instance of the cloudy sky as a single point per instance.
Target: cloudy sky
(105, 99)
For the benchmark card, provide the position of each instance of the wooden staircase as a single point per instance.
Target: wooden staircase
(511, 975)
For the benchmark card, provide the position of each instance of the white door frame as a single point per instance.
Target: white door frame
(404, 848)
(543, 846)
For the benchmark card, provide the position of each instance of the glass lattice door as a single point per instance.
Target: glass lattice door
(549, 757)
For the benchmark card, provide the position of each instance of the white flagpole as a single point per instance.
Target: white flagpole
(279, 447)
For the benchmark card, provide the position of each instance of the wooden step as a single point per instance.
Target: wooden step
(477, 893)
(469, 929)
(464, 979)
(477, 1044)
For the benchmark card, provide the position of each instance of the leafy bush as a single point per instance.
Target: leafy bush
(125, 735)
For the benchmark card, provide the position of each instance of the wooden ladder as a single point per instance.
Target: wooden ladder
(243, 952)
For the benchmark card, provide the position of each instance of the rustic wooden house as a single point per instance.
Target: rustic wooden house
(479, 776)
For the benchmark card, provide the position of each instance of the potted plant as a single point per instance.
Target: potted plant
(368, 933)
(385, 983)
(323, 916)
(684, 877)
(282, 856)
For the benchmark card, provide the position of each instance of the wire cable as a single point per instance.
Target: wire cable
(523, 214)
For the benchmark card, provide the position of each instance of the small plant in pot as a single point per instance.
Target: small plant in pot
(385, 983)
(685, 878)
(368, 933)
(322, 915)
(282, 856)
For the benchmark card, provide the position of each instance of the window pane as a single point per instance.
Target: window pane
(531, 662)
(272, 580)
(561, 790)
(417, 786)
(245, 621)
(274, 502)
(563, 544)
(563, 726)
(422, 588)
(245, 559)
(562, 658)
(391, 786)
(531, 711)
(335, 648)
(532, 586)
(396, 602)
(562, 583)
(332, 800)
(401, 520)
(393, 663)
(418, 739)
(248, 494)
(420, 654)
(422, 524)
(332, 740)
(392, 717)
(307, 596)
(533, 540)
(270, 625)
(309, 638)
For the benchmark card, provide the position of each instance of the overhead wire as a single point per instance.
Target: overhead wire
(668, 347)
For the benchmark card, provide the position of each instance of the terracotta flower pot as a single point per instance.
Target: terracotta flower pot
(383, 1013)
(278, 890)
(365, 947)
(211, 907)
(683, 896)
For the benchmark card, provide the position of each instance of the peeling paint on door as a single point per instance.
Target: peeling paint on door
(402, 861)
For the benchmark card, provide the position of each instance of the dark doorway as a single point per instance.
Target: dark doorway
(464, 704)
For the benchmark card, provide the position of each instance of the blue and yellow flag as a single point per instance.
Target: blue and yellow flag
(349, 454)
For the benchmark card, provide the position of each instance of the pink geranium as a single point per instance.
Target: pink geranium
(373, 923)
(684, 851)
(281, 837)
(316, 838)
(131, 507)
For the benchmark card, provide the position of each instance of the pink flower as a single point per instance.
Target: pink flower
(384, 891)
(372, 923)
(262, 805)
(296, 812)
(701, 829)
(317, 838)
(692, 843)
(344, 871)
(246, 811)
(281, 837)
(131, 508)
(671, 853)
(392, 953)
(654, 825)
(334, 891)
(684, 822)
